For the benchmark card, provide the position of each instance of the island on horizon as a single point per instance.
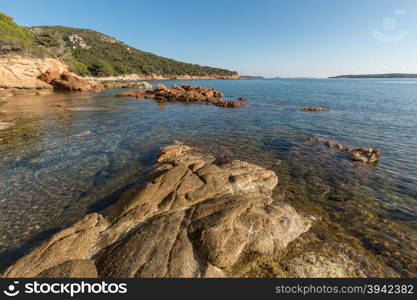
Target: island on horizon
(388, 75)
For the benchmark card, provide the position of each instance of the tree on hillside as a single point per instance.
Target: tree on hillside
(101, 68)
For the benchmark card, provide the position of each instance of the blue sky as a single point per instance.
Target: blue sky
(315, 38)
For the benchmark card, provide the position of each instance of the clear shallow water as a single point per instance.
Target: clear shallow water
(52, 171)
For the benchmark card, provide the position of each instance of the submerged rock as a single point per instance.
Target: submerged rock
(85, 132)
(243, 99)
(314, 109)
(332, 144)
(194, 218)
(362, 154)
(230, 104)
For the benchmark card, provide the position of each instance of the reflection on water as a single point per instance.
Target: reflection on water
(67, 155)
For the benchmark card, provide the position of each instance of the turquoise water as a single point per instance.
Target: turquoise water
(56, 164)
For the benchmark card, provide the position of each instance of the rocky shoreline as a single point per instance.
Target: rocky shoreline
(155, 77)
(20, 75)
(198, 216)
(195, 218)
(34, 76)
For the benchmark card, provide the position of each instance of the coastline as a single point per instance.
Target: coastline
(154, 77)
(34, 76)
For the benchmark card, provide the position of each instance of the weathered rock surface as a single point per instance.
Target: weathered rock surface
(17, 72)
(68, 81)
(23, 73)
(183, 93)
(78, 41)
(77, 268)
(194, 218)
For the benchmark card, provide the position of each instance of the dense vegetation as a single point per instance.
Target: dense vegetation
(88, 52)
(15, 38)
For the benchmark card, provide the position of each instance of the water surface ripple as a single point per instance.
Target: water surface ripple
(57, 164)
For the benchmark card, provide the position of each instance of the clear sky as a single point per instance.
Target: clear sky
(315, 38)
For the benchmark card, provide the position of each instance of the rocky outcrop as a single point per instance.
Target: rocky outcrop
(183, 93)
(361, 154)
(68, 81)
(78, 41)
(17, 72)
(127, 85)
(195, 218)
(25, 73)
(314, 109)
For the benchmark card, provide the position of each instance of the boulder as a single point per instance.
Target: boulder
(160, 87)
(68, 81)
(194, 218)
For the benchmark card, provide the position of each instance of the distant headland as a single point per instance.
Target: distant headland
(389, 75)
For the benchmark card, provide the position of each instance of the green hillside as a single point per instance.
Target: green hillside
(88, 52)
(91, 52)
(15, 38)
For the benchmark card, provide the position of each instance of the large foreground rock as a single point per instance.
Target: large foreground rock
(194, 218)
(17, 72)
(24, 73)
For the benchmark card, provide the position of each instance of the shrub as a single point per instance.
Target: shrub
(101, 68)
(78, 67)
(122, 69)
